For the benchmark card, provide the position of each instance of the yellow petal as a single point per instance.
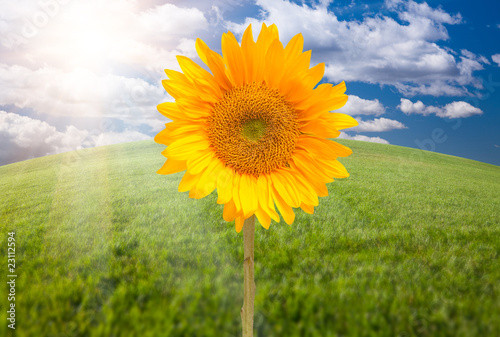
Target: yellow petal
(183, 148)
(248, 194)
(202, 50)
(322, 147)
(177, 76)
(333, 168)
(284, 184)
(208, 179)
(197, 73)
(179, 89)
(263, 217)
(172, 166)
(176, 130)
(339, 121)
(293, 49)
(308, 166)
(225, 185)
(196, 164)
(285, 210)
(306, 191)
(216, 65)
(266, 202)
(236, 192)
(170, 110)
(188, 181)
(233, 57)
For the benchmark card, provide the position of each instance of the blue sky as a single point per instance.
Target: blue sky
(77, 74)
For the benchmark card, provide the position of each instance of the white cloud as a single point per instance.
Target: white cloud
(436, 88)
(80, 92)
(496, 59)
(359, 106)
(377, 49)
(364, 138)
(423, 10)
(458, 109)
(378, 125)
(24, 138)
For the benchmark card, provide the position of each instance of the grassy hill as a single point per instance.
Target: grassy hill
(408, 245)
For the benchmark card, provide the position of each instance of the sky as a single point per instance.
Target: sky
(76, 74)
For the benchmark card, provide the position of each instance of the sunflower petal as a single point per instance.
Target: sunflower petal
(263, 217)
(339, 121)
(229, 211)
(188, 181)
(285, 210)
(239, 222)
(233, 58)
(172, 166)
(183, 148)
(225, 186)
(307, 208)
(248, 194)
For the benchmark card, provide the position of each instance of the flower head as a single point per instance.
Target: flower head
(256, 128)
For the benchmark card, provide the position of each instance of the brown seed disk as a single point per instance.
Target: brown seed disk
(247, 104)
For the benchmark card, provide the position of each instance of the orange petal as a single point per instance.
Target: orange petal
(229, 211)
(319, 127)
(274, 66)
(248, 48)
(307, 208)
(238, 224)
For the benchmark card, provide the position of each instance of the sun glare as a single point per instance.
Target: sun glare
(84, 37)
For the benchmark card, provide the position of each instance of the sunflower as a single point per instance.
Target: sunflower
(256, 128)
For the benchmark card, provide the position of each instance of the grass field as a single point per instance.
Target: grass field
(408, 245)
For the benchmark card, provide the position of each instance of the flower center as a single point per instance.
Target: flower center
(253, 129)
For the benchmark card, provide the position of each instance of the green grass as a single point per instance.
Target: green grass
(408, 245)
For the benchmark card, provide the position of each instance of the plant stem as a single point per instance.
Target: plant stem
(249, 283)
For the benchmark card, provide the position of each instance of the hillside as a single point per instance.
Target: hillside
(408, 245)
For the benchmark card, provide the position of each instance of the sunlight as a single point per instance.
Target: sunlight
(85, 36)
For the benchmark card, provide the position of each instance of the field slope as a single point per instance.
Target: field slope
(408, 245)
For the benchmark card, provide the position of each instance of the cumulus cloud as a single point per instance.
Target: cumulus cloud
(80, 92)
(378, 125)
(458, 109)
(94, 58)
(359, 106)
(378, 49)
(363, 138)
(24, 138)
(496, 59)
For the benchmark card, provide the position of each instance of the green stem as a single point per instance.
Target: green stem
(249, 283)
